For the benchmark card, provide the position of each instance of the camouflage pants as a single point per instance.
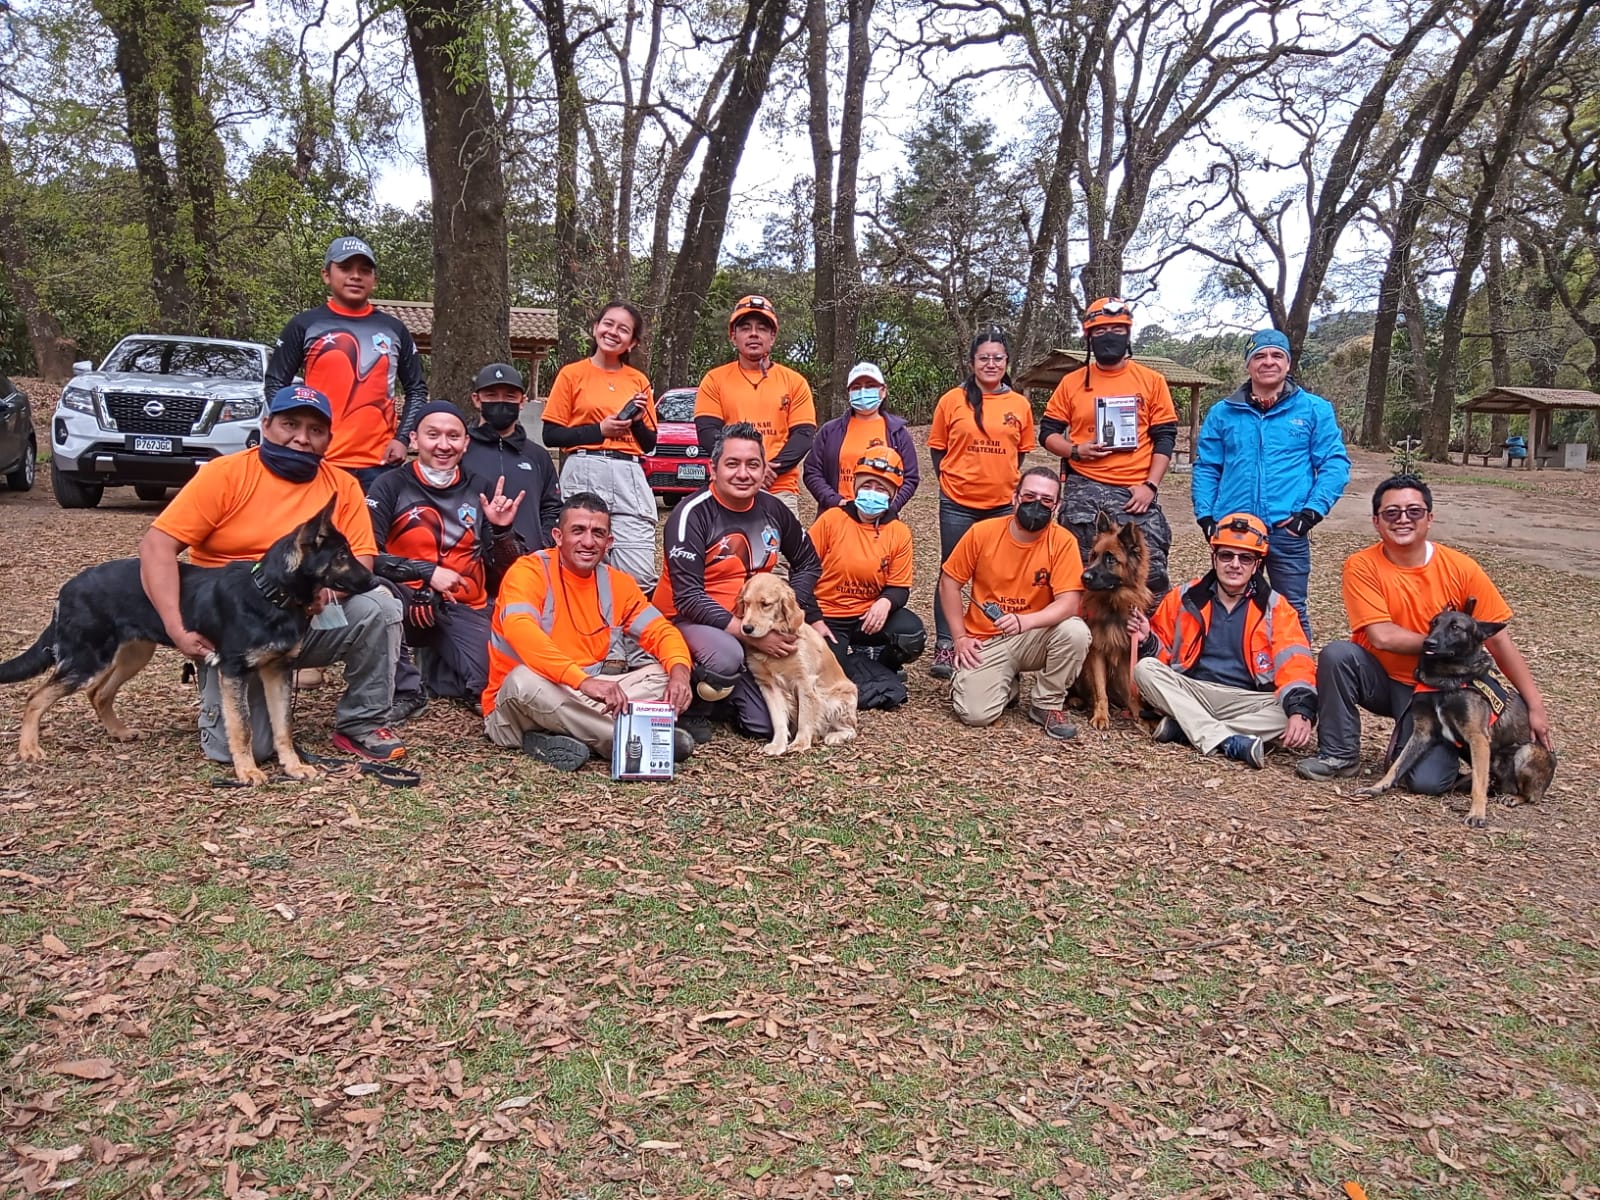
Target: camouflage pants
(1084, 499)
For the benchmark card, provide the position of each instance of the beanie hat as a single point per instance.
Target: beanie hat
(438, 406)
(1266, 339)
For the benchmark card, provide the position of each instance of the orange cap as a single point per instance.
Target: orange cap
(759, 305)
(1242, 531)
(1108, 310)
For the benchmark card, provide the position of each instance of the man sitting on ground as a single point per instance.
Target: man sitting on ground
(1392, 592)
(573, 641)
(1027, 584)
(1225, 657)
(232, 511)
(714, 541)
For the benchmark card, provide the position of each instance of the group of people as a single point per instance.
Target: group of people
(536, 599)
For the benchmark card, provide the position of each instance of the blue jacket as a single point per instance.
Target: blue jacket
(1271, 464)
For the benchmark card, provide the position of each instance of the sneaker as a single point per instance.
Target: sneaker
(1056, 723)
(380, 745)
(1320, 769)
(1242, 748)
(1169, 732)
(697, 726)
(944, 662)
(682, 744)
(555, 750)
(406, 705)
(307, 678)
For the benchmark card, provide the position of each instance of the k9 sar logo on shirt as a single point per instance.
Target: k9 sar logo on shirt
(1011, 421)
(1041, 577)
(383, 344)
(1263, 663)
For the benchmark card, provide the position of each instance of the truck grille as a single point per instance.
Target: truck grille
(177, 419)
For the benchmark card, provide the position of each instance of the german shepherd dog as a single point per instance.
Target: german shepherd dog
(104, 630)
(1457, 704)
(1115, 584)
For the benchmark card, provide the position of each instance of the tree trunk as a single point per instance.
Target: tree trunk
(53, 352)
(847, 254)
(201, 168)
(1416, 319)
(471, 270)
(570, 317)
(824, 287)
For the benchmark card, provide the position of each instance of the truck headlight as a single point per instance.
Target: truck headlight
(78, 399)
(240, 410)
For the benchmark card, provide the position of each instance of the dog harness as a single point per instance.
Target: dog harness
(1494, 688)
(274, 594)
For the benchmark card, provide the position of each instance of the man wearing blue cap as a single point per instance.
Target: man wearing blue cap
(233, 510)
(1274, 450)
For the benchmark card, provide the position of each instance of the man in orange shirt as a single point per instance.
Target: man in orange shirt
(1392, 592)
(572, 643)
(1114, 426)
(754, 389)
(233, 510)
(1027, 584)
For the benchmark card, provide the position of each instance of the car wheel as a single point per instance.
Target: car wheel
(154, 492)
(21, 480)
(72, 494)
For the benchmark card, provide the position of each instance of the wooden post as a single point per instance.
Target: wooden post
(1194, 423)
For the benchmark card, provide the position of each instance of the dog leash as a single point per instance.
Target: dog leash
(340, 768)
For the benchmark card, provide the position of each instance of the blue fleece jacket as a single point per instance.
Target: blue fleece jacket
(1271, 463)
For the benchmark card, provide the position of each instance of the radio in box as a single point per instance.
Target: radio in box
(641, 746)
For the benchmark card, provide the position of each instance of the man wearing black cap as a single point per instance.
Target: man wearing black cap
(232, 511)
(354, 355)
(499, 446)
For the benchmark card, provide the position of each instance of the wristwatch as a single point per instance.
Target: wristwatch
(1072, 451)
(1151, 484)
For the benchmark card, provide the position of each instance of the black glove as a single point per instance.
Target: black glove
(1300, 524)
(1208, 526)
(423, 608)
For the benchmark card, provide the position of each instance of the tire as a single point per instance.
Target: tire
(22, 479)
(72, 494)
(153, 492)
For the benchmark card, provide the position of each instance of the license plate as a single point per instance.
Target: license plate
(152, 445)
(695, 472)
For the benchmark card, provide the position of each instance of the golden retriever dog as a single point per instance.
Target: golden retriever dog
(809, 684)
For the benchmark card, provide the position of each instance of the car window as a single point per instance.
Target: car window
(676, 405)
(158, 356)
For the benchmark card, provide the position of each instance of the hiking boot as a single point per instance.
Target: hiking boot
(944, 662)
(406, 705)
(1056, 723)
(1320, 769)
(1242, 748)
(1169, 733)
(555, 750)
(307, 678)
(380, 745)
(683, 744)
(697, 726)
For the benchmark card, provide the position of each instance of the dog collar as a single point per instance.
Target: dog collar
(275, 595)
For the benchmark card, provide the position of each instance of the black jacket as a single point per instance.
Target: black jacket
(527, 467)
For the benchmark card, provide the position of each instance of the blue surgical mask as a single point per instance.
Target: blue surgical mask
(865, 400)
(870, 502)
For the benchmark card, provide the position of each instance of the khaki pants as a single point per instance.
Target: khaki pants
(1057, 653)
(1209, 713)
(621, 483)
(528, 701)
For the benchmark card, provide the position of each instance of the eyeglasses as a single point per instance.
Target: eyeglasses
(1411, 512)
(1242, 557)
(990, 359)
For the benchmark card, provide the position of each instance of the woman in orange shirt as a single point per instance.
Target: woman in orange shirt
(601, 414)
(981, 432)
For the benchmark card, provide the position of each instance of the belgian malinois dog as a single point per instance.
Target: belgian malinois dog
(104, 630)
(1461, 703)
(1115, 583)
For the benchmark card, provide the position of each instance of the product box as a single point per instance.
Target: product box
(642, 743)
(1116, 422)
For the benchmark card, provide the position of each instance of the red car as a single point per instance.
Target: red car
(680, 465)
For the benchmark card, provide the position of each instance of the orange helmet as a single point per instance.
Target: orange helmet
(1242, 531)
(1108, 310)
(759, 305)
(883, 464)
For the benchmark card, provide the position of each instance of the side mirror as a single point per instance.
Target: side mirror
(82, 368)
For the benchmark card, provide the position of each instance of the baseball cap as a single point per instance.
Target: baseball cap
(498, 373)
(759, 305)
(344, 248)
(865, 370)
(296, 396)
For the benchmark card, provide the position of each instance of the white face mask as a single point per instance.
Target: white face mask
(439, 478)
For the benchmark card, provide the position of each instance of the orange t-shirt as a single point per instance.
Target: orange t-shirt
(861, 434)
(980, 467)
(1020, 577)
(582, 394)
(1376, 589)
(1074, 403)
(234, 509)
(859, 560)
(774, 403)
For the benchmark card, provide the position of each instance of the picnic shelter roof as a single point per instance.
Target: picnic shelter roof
(1047, 372)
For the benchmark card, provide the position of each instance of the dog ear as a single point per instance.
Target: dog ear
(1102, 522)
(738, 605)
(794, 617)
(1487, 629)
(1472, 603)
(1128, 535)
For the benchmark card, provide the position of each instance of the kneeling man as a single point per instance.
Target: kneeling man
(573, 641)
(1027, 582)
(1225, 657)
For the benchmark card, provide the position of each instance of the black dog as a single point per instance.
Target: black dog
(105, 630)
(1458, 702)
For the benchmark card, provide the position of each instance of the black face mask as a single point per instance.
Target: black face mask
(1033, 515)
(1110, 346)
(500, 415)
(296, 466)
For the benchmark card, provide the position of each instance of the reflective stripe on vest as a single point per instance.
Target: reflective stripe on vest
(546, 615)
